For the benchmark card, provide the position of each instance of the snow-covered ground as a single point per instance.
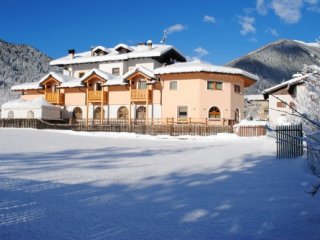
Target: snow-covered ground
(63, 185)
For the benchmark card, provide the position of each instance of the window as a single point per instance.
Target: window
(237, 88)
(182, 112)
(10, 114)
(142, 85)
(218, 85)
(173, 85)
(116, 71)
(212, 85)
(97, 87)
(123, 113)
(77, 113)
(30, 114)
(281, 105)
(214, 113)
(141, 113)
(81, 74)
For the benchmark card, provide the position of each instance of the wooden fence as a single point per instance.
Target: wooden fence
(250, 131)
(164, 129)
(289, 141)
(172, 130)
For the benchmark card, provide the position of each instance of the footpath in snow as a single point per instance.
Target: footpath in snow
(66, 185)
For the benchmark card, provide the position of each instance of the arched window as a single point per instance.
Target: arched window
(77, 113)
(97, 113)
(123, 113)
(10, 114)
(236, 115)
(214, 113)
(141, 112)
(30, 114)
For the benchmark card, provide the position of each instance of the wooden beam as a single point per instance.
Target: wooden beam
(130, 102)
(87, 98)
(102, 99)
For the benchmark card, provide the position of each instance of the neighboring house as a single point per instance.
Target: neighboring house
(149, 83)
(282, 96)
(256, 107)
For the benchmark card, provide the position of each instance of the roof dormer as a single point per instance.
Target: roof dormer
(100, 51)
(123, 48)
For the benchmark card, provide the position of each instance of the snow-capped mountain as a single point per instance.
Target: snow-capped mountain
(278, 61)
(18, 64)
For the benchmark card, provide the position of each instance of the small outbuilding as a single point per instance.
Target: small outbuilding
(37, 108)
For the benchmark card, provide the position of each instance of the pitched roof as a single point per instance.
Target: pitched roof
(290, 82)
(105, 75)
(140, 51)
(145, 71)
(58, 76)
(196, 66)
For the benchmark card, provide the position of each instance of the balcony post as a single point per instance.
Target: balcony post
(87, 99)
(102, 112)
(130, 92)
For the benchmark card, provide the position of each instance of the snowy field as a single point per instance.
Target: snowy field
(63, 185)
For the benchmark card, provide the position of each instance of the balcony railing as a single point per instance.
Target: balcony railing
(55, 98)
(141, 95)
(97, 96)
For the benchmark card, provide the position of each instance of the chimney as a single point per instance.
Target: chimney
(71, 53)
(149, 44)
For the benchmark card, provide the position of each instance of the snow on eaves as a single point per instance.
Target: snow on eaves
(58, 76)
(140, 51)
(257, 97)
(197, 66)
(286, 83)
(105, 75)
(26, 86)
(22, 103)
(145, 71)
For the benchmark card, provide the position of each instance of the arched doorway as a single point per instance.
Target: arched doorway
(77, 113)
(97, 113)
(141, 113)
(10, 114)
(123, 113)
(30, 114)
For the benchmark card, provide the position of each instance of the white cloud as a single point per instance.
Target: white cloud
(209, 19)
(247, 25)
(261, 7)
(201, 51)
(273, 32)
(288, 10)
(312, 2)
(175, 28)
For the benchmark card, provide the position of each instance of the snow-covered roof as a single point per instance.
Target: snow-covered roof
(58, 76)
(101, 48)
(257, 97)
(145, 71)
(105, 75)
(26, 86)
(22, 103)
(118, 80)
(122, 45)
(71, 84)
(196, 66)
(140, 51)
(293, 81)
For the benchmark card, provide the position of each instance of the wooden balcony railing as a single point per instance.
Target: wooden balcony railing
(55, 98)
(141, 95)
(97, 96)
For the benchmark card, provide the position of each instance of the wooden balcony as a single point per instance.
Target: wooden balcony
(97, 96)
(141, 95)
(55, 98)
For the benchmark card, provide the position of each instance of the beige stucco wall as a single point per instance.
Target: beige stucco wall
(75, 96)
(192, 92)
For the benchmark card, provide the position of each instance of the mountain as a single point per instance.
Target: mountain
(277, 62)
(18, 64)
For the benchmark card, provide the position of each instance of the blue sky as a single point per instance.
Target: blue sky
(215, 31)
